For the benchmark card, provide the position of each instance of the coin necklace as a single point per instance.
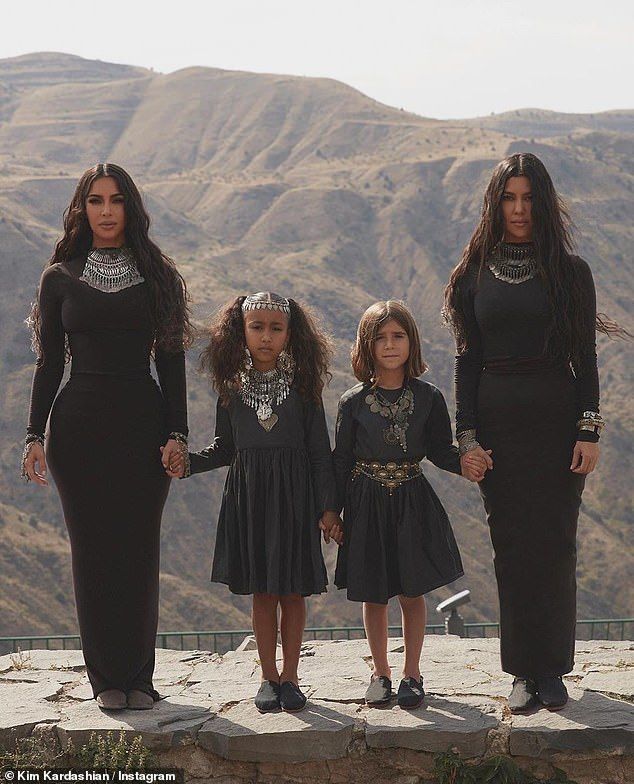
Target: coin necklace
(397, 413)
(261, 391)
(513, 263)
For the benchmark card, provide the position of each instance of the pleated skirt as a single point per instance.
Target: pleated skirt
(268, 538)
(399, 544)
(532, 501)
(103, 453)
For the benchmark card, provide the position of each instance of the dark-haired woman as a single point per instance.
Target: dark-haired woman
(523, 311)
(108, 299)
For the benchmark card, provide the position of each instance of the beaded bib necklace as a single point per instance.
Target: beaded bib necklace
(111, 270)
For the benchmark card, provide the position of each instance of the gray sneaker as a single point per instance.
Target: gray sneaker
(379, 692)
(523, 696)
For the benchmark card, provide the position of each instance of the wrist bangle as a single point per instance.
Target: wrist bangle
(180, 437)
(467, 441)
(31, 438)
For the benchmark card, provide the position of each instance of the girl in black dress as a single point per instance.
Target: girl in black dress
(397, 536)
(523, 311)
(268, 363)
(108, 299)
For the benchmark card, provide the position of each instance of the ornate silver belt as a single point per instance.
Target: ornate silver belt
(390, 475)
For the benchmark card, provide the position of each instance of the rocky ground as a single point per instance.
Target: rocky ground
(206, 722)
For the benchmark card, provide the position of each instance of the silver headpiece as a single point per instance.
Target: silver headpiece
(265, 300)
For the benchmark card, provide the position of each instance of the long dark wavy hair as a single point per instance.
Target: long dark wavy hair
(554, 251)
(224, 355)
(168, 291)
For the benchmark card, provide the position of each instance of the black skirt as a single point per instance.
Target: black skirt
(399, 544)
(103, 452)
(268, 538)
(532, 501)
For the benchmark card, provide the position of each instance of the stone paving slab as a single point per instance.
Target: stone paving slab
(439, 724)
(25, 705)
(320, 731)
(209, 706)
(589, 721)
(173, 721)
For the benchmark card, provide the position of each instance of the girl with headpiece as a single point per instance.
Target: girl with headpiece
(108, 300)
(523, 311)
(268, 362)
(397, 536)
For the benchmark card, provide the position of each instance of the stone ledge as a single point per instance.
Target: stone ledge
(207, 723)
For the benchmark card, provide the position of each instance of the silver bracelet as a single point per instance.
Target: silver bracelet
(32, 438)
(467, 441)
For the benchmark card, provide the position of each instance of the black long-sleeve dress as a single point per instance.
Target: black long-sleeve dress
(106, 426)
(398, 544)
(278, 485)
(524, 407)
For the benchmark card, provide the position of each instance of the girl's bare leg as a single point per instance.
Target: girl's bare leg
(292, 625)
(264, 618)
(375, 622)
(414, 613)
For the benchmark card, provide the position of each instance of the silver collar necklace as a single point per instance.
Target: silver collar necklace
(111, 270)
(513, 262)
(261, 391)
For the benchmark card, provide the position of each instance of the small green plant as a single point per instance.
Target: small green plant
(108, 752)
(450, 769)
(33, 752)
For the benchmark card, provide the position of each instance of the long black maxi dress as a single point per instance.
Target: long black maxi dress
(399, 543)
(102, 447)
(524, 406)
(278, 485)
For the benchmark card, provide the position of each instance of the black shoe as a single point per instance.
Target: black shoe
(379, 692)
(291, 697)
(410, 693)
(523, 695)
(552, 692)
(268, 697)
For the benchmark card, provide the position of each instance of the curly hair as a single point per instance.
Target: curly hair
(554, 249)
(224, 355)
(168, 291)
(362, 353)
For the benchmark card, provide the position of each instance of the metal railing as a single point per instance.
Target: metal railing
(225, 640)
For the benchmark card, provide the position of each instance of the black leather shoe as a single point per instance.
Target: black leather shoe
(523, 697)
(268, 697)
(410, 693)
(292, 699)
(379, 692)
(552, 692)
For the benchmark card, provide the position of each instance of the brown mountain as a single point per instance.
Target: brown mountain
(307, 187)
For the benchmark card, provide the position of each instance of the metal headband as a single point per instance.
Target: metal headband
(263, 300)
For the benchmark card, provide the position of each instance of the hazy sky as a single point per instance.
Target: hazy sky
(457, 58)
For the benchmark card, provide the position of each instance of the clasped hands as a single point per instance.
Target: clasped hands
(332, 527)
(173, 458)
(475, 463)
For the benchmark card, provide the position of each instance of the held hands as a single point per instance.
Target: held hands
(332, 527)
(173, 458)
(475, 463)
(585, 457)
(36, 457)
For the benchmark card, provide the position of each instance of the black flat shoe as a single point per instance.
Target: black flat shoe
(552, 693)
(410, 693)
(292, 698)
(268, 697)
(379, 692)
(523, 697)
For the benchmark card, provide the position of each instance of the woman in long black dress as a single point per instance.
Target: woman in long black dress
(107, 299)
(523, 311)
